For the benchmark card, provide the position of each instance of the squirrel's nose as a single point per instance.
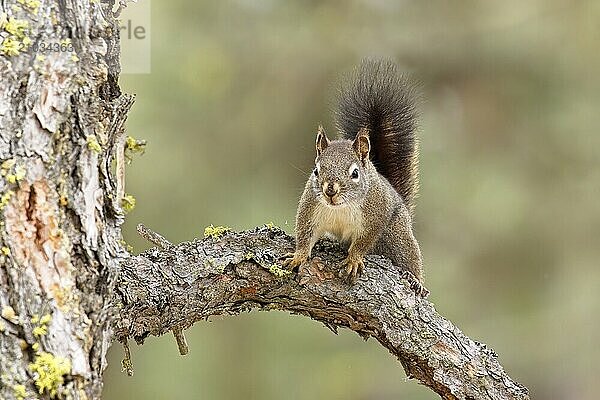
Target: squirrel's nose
(331, 190)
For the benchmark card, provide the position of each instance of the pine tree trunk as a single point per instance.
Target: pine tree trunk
(61, 150)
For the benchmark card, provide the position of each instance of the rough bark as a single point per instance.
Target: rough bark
(173, 287)
(61, 121)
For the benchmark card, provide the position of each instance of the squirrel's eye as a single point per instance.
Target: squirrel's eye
(316, 171)
(354, 174)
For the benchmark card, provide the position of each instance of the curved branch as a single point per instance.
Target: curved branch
(173, 287)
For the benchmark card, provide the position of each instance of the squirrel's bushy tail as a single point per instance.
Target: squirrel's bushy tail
(376, 97)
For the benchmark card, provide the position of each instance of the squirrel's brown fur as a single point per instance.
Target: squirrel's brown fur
(349, 195)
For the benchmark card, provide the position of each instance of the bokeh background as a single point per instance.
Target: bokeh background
(508, 218)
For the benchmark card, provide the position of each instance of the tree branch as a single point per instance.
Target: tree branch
(173, 287)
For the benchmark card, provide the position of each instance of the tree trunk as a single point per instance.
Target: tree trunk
(61, 145)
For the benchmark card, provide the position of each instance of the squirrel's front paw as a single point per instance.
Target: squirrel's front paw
(293, 261)
(353, 268)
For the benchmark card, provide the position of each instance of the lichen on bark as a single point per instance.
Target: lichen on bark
(59, 212)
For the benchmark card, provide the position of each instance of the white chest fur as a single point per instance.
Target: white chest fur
(342, 223)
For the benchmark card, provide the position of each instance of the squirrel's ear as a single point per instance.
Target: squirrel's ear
(322, 140)
(362, 144)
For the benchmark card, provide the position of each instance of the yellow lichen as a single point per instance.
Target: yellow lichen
(19, 174)
(45, 319)
(278, 271)
(48, 371)
(8, 164)
(271, 226)
(92, 144)
(20, 392)
(17, 39)
(31, 5)
(10, 47)
(5, 250)
(215, 231)
(16, 27)
(53, 17)
(127, 246)
(128, 202)
(41, 327)
(134, 146)
(5, 199)
(40, 331)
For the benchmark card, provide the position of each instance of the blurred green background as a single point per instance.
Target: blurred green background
(508, 217)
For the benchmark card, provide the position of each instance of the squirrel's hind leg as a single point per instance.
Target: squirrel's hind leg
(398, 243)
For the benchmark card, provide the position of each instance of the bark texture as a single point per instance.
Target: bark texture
(173, 287)
(61, 121)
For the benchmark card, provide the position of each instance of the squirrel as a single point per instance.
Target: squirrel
(363, 186)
